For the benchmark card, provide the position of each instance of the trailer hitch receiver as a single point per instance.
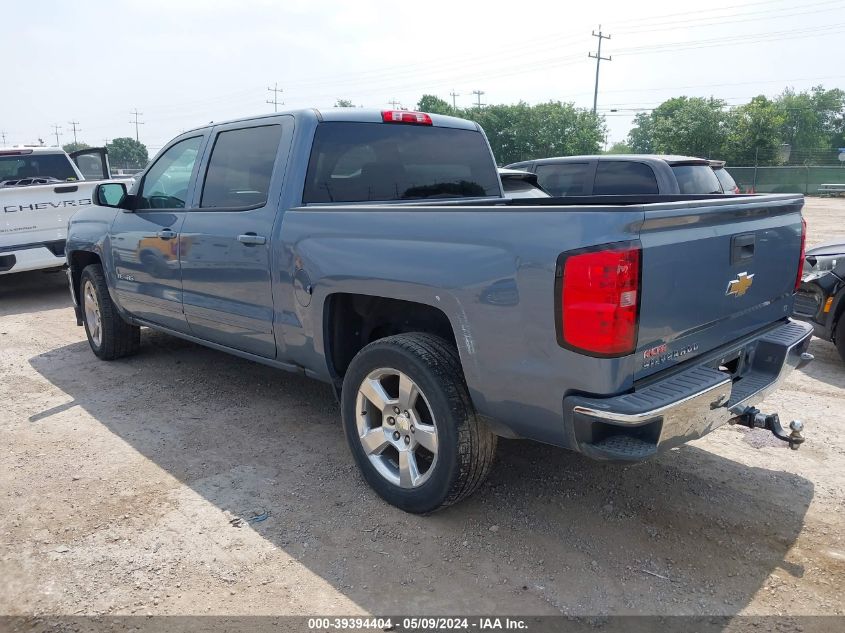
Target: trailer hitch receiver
(755, 419)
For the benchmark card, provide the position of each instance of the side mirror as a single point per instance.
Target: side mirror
(110, 194)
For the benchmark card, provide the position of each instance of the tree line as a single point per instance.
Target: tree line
(793, 128)
(522, 131)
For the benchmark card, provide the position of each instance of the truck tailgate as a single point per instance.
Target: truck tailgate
(713, 271)
(39, 213)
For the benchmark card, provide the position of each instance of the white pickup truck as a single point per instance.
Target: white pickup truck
(40, 188)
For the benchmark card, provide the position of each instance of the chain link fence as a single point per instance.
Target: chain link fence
(790, 179)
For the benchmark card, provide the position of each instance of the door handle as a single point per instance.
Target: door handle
(251, 239)
(166, 234)
(742, 248)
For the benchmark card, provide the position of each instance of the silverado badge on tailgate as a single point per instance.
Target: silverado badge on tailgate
(740, 285)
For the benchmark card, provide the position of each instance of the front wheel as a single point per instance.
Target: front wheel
(109, 335)
(411, 425)
(840, 337)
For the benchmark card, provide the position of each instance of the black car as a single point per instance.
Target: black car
(820, 299)
(623, 175)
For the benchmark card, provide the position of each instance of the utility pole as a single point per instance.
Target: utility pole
(478, 94)
(137, 123)
(73, 124)
(276, 103)
(396, 105)
(3, 134)
(454, 94)
(106, 141)
(56, 129)
(598, 59)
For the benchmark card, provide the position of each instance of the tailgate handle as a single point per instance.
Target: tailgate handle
(742, 247)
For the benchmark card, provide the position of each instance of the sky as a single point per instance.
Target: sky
(183, 63)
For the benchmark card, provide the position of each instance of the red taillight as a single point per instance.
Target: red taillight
(802, 255)
(599, 298)
(403, 116)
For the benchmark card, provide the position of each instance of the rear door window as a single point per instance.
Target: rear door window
(621, 178)
(697, 179)
(359, 162)
(240, 167)
(563, 179)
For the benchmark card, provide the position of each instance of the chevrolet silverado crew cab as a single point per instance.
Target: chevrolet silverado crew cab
(40, 188)
(375, 251)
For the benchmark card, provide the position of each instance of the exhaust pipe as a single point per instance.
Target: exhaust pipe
(753, 418)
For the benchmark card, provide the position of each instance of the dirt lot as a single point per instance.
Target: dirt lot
(118, 482)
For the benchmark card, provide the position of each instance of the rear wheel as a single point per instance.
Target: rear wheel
(109, 335)
(411, 425)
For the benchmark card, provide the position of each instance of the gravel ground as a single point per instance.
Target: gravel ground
(128, 488)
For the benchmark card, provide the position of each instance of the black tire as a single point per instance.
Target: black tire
(465, 445)
(119, 338)
(839, 337)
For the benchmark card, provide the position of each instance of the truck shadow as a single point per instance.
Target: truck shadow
(688, 533)
(33, 291)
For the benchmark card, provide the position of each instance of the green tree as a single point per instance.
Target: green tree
(521, 131)
(75, 147)
(753, 133)
(640, 136)
(693, 126)
(620, 148)
(126, 152)
(811, 121)
(344, 103)
(434, 105)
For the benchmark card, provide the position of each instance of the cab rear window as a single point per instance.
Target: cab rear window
(360, 162)
(698, 179)
(16, 167)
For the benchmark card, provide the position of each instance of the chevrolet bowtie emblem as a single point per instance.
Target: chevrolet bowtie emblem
(740, 285)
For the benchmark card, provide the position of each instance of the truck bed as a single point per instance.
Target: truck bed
(494, 266)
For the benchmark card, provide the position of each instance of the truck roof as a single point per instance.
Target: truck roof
(28, 149)
(359, 115)
(671, 159)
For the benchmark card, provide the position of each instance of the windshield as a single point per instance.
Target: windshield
(358, 162)
(696, 179)
(36, 166)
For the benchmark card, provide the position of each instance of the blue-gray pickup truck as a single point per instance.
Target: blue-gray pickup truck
(374, 250)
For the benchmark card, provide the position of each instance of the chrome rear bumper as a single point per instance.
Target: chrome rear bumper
(687, 404)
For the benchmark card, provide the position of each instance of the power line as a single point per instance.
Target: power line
(478, 94)
(56, 129)
(454, 94)
(137, 123)
(75, 129)
(276, 103)
(733, 18)
(598, 59)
